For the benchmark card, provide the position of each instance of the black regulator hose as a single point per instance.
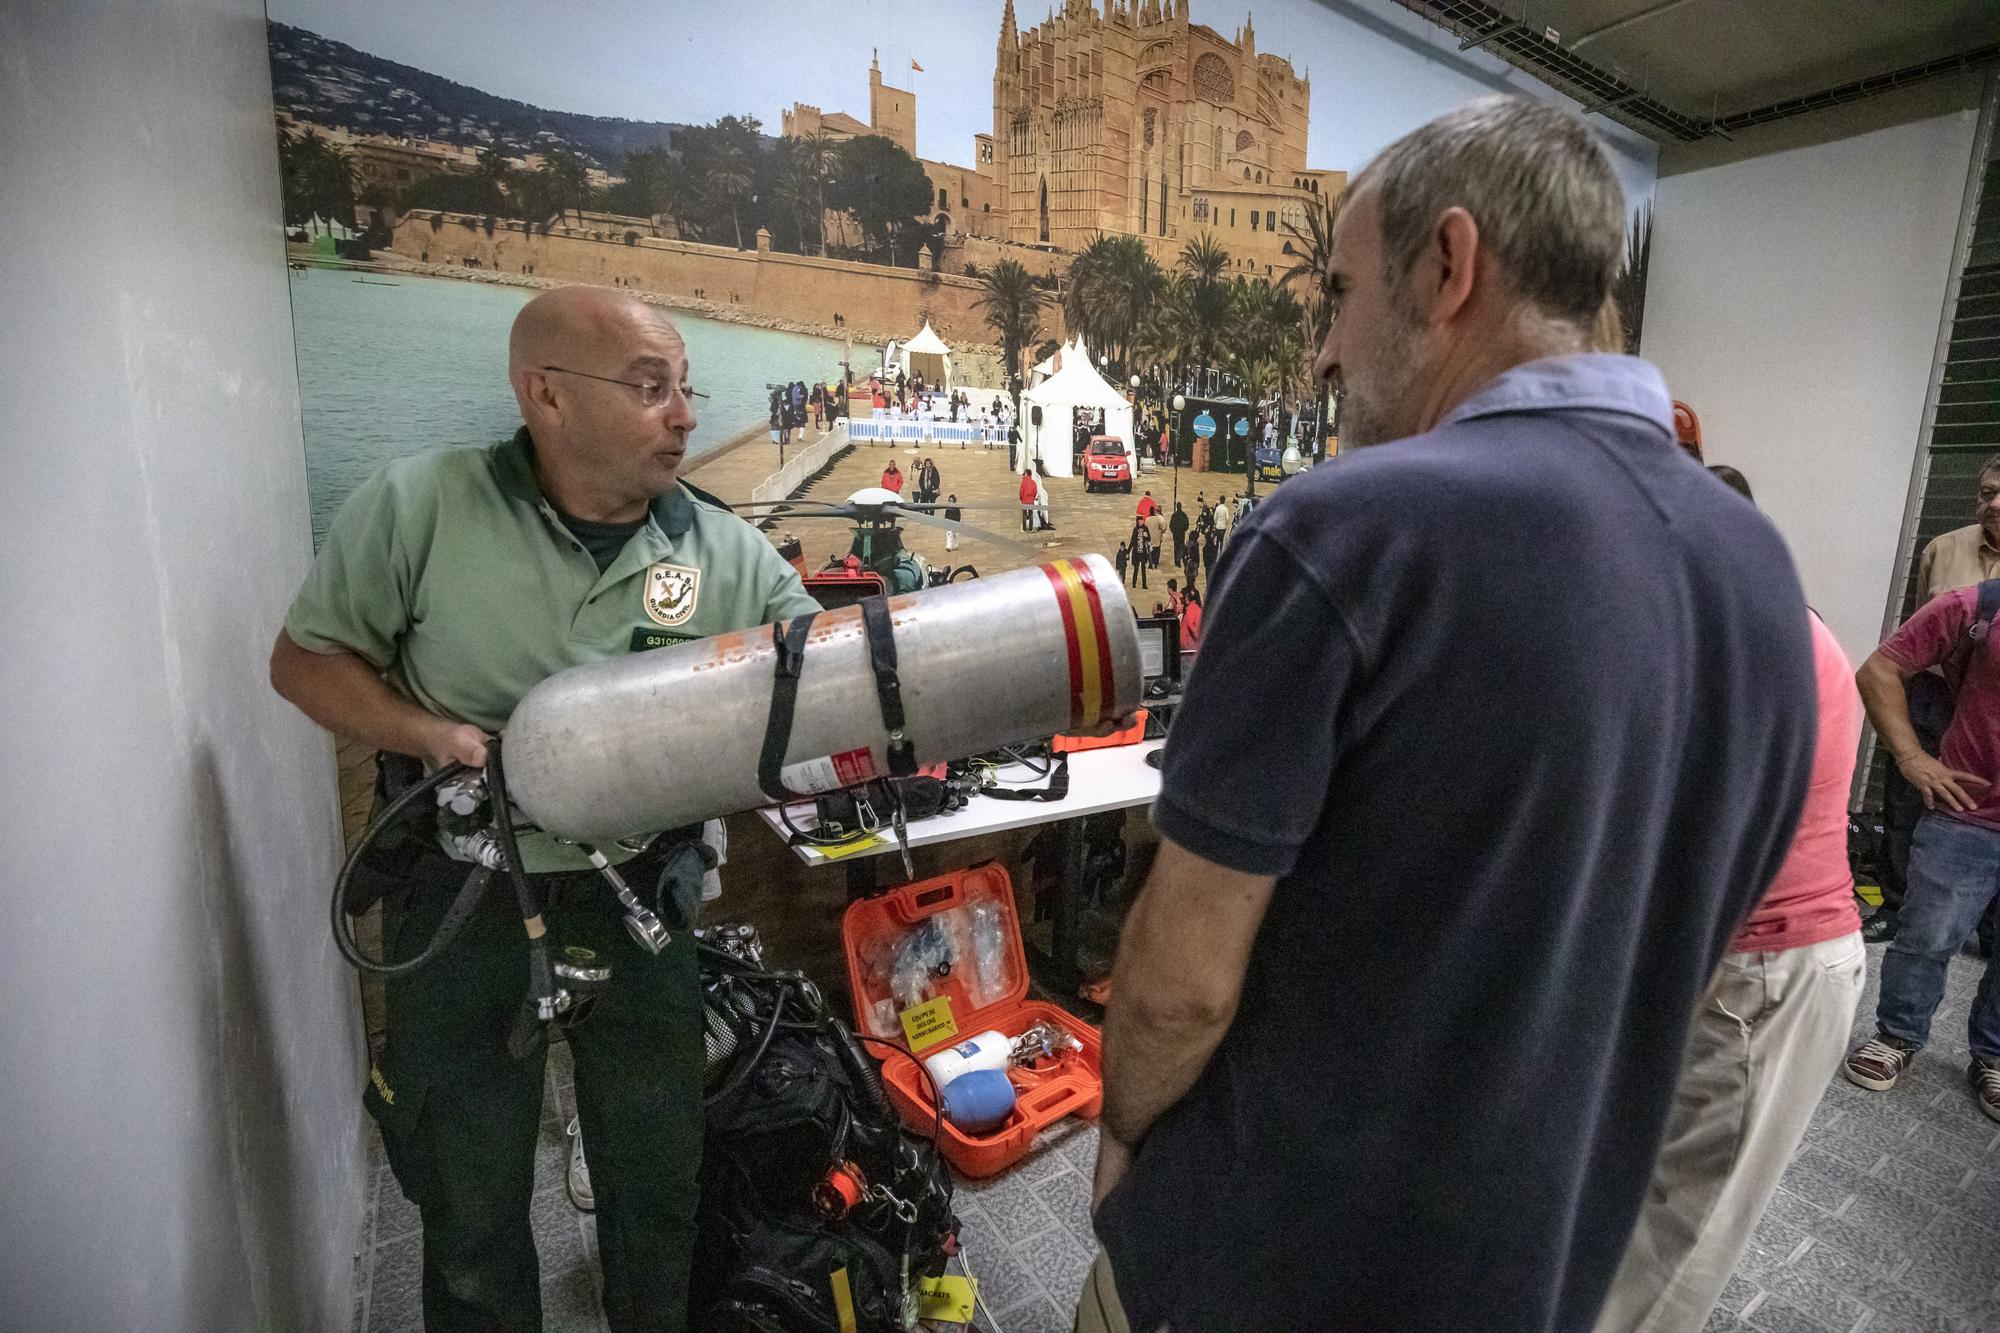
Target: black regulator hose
(343, 924)
(527, 1034)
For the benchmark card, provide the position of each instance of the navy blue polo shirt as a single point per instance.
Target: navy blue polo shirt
(1520, 712)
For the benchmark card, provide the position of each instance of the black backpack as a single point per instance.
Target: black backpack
(808, 1179)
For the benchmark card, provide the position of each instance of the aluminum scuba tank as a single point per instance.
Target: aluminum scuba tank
(672, 737)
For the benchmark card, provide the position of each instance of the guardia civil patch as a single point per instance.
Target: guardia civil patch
(670, 593)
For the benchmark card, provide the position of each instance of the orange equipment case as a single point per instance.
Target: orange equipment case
(1044, 1093)
(1132, 735)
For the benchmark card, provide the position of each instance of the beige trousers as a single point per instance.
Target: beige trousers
(1099, 1310)
(1769, 1032)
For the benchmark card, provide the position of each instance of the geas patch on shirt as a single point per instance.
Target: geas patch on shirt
(671, 591)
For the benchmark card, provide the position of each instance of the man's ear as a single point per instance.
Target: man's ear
(1449, 265)
(535, 389)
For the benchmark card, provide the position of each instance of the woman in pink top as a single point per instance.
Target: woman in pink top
(1190, 621)
(1766, 1039)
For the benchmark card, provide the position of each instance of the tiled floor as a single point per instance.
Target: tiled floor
(1888, 1220)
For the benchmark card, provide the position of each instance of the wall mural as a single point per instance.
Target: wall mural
(1088, 186)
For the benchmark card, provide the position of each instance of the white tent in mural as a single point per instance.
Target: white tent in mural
(1075, 387)
(926, 354)
(1073, 350)
(319, 226)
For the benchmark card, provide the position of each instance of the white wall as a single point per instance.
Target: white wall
(1793, 301)
(180, 1140)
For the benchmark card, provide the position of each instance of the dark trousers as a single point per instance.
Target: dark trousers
(1142, 560)
(1180, 550)
(460, 1115)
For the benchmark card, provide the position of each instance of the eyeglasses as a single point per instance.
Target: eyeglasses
(651, 392)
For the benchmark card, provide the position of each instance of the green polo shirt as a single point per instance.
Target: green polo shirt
(451, 574)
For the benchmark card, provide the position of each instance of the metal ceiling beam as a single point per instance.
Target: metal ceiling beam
(1626, 22)
(1474, 43)
(1629, 95)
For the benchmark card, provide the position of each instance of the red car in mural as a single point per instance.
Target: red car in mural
(1106, 462)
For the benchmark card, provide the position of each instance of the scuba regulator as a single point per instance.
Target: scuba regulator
(477, 820)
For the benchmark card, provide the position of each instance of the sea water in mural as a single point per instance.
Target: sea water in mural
(392, 365)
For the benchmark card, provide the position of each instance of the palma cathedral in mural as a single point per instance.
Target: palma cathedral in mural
(1128, 119)
(1138, 120)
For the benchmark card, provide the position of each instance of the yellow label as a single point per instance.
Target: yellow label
(1869, 893)
(949, 1298)
(929, 1023)
(843, 1300)
(863, 843)
(381, 1085)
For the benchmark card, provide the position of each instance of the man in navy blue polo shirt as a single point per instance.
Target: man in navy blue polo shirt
(1532, 687)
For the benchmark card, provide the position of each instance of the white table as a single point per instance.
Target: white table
(1099, 780)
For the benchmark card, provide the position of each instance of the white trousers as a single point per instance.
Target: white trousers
(1770, 1031)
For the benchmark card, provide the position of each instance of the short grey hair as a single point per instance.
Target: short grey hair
(1535, 179)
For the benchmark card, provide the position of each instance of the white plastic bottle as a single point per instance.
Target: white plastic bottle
(988, 1050)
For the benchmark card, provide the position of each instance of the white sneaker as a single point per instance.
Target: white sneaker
(579, 1170)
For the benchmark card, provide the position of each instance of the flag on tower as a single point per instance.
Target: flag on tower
(915, 66)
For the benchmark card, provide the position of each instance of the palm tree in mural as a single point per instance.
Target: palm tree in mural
(821, 156)
(561, 183)
(653, 185)
(1013, 305)
(1629, 290)
(1206, 297)
(796, 193)
(1159, 338)
(1085, 294)
(1204, 258)
(728, 184)
(316, 179)
(1136, 281)
(493, 176)
(1257, 373)
(1267, 344)
(1110, 292)
(1311, 248)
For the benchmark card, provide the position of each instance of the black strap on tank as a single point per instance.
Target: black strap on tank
(790, 641)
(888, 686)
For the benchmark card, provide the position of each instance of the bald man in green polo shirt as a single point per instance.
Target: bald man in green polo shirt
(450, 584)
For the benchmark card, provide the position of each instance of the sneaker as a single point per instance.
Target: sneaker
(1879, 928)
(1877, 1064)
(1985, 1078)
(579, 1171)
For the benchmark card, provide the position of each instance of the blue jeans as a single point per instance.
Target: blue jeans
(1954, 871)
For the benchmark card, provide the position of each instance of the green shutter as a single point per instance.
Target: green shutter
(1961, 427)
